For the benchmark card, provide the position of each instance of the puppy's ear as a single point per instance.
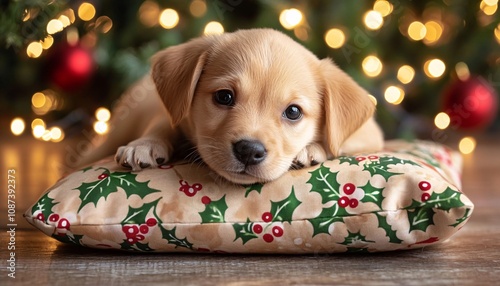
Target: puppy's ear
(175, 72)
(347, 105)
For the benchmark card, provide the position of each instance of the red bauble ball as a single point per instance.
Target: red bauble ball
(71, 67)
(470, 104)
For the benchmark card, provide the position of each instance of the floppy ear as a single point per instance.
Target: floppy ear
(347, 105)
(175, 72)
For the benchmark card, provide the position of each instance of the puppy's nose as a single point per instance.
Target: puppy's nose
(249, 152)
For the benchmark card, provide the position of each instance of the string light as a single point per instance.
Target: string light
(47, 42)
(383, 7)
(70, 14)
(373, 99)
(38, 131)
(467, 145)
(301, 33)
(442, 120)
(335, 38)
(406, 74)
(497, 33)
(103, 24)
(491, 2)
(434, 68)
(54, 26)
(86, 11)
(433, 32)
(417, 31)
(198, 8)
(102, 114)
(101, 127)
(487, 8)
(37, 122)
(372, 66)
(169, 18)
(56, 134)
(373, 20)
(34, 49)
(64, 20)
(17, 126)
(394, 95)
(38, 100)
(149, 13)
(290, 18)
(213, 28)
(462, 71)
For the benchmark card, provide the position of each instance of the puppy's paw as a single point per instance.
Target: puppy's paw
(143, 153)
(311, 155)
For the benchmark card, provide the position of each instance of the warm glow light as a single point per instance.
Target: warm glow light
(373, 20)
(70, 14)
(290, 18)
(38, 131)
(462, 70)
(56, 134)
(101, 127)
(38, 100)
(467, 145)
(17, 126)
(372, 66)
(46, 135)
(442, 120)
(54, 26)
(394, 95)
(406, 74)
(497, 33)
(213, 28)
(417, 31)
(301, 33)
(34, 50)
(86, 11)
(198, 8)
(149, 13)
(64, 20)
(103, 24)
(373, 99)
(169, 18)
(37, 122)
(72, 36)
(335, 38)
(487, 8)
(102, 114)
(434, 68)
(47, 42)
(490, 2)
(433, 32)
(383, 7)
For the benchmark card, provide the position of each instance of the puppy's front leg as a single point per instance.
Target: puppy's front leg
(311, 155)
(152, 149)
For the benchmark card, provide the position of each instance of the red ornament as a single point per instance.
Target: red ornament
(470, 104)
(71, 67)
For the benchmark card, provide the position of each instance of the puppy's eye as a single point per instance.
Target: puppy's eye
(293, 112)
(224, 97)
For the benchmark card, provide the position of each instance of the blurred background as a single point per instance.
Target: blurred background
(432, 66)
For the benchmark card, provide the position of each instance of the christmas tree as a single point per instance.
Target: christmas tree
(433, 66)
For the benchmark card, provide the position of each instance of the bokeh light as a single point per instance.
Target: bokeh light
(373, 20)
(54, 26)
(462, 71)
(417, 31)
(394, 95)
(406, 74)
(101, 127)
(467, 145)
(198, 8)
(290, 18)
(442, 120)
(434, 68)
(149, 13)
(102, 114)
(335, 38)
(17, 126)
(433, 32)
(213, 28)
(86, 11)
(34, 50)
(372, 66)
(383, 7)
(169, 18)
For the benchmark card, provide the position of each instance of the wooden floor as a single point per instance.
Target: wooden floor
(471, 257)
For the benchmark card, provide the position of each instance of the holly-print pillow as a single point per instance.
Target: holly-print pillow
(404, 197)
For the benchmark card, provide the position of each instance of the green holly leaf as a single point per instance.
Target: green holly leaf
(87, 169)
(283, 210)
(355, 238)
(108, 183)
(447, 200)
(171, 238)
(244, 231)
(324, 182)
(254, 187)
(382, 223)
(322, 223)
(376, 169)
(463, 218)
(348, 159)
(44, 205)
(420, 218)
(69, 238)
(142, 247)
(372, 194)
(138, 215)
(214, 211)
(357, 250)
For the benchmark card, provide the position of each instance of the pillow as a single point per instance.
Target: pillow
(405, 197)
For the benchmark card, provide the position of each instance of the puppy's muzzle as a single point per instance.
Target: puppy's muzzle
(249, 152)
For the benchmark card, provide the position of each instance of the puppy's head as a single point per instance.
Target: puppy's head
(250, 101)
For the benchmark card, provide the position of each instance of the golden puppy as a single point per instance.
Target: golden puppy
(253, 103)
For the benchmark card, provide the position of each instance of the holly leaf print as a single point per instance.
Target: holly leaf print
(348, 159)
(372, 194)
(327, 217)
(254, 187)
(171, 238)
(244, 231)
(69, 238)
(214, 211)
(377, 168)
(356, 239)
(138, 215)
(325, 183)
(142, 247)
(420, 218)
(44, 205)
(465, 217)
(283, 210)
(108, 183)
(382, 223)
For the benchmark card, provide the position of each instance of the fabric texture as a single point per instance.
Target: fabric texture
(407, 196)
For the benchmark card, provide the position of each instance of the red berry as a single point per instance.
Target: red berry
(53, 217)
(257, 228)
(197, 187)
(190, 192)
(206, 200)
(373, 157)
(353, 203)
(349, 188)
(424, 186)
(268, 238)
(277, 231)
(143, 229)
(343, 202)
(151, 222)
(359, 159)
(130, 230)
(63, 223)
(425, 197)
(103, 176)
(40, 217)
(267, 217)
(139, 237)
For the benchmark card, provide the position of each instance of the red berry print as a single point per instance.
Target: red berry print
(139, 237)
(349, 188)
(424, 186)
(206, 200)
(257, 228)
(373, 157)
(268, 238)
(277, 231)
(130, 230)
(40, 217)
(343, 202)
(425, 197)
(353, 203)
(53, 217)
(359, 159)
(267, 217)
(143, 229)
(151, 222)
(132, 240)
(63, 223)
(165, 167)
(103, 176)
(188, 189)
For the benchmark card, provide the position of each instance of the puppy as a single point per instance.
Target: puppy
(253, 104)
